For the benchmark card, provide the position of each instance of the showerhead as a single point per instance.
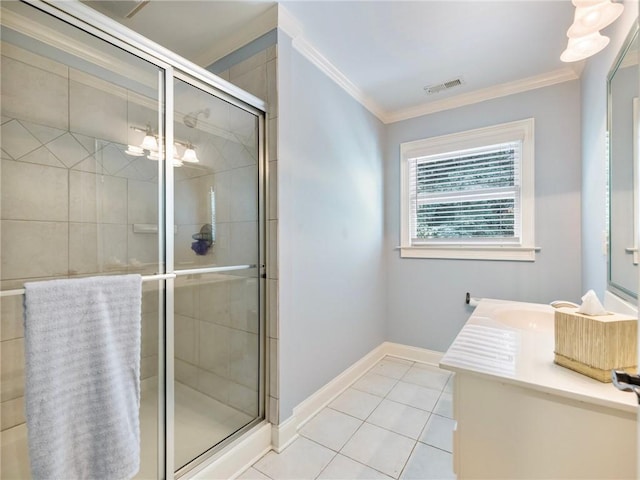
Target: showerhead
(191, 120)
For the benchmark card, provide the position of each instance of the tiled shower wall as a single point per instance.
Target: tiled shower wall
(69, 197)
(70, 200)
(258, 75)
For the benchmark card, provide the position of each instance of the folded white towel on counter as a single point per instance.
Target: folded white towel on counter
(82, 377)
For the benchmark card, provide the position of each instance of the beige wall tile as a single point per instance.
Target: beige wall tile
(213, 385)
(186, 338)
(142, 202)
(243, 240)
(214, 348)
(186, 374)
(213, 304)
(97, 198)
(34, 249)
(243, 357)
(12, 369)
(12, 413)
(251, 63)
(142, 249)
(24, 97)
(68, 150)
(243, 398)
(17, 141)
(34, 192)
(272, 304)
(95, 112)
(11, 315)
(186, 300)
(244, 194)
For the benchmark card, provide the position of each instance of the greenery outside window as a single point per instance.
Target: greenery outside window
(470, 194)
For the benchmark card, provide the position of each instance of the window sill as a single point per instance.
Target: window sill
(517, 254)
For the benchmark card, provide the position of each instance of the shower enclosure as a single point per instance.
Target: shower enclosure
(119, 157)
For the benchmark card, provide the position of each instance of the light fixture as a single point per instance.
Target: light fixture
(149, 142)
(583, 47)
(592, 16)
(134, 151)
(189, 155)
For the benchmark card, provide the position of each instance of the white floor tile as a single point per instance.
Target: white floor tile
(375, 384)
(444, 407)
(429, 463)
(331, 428)
(439, 433)
(343, 468)
(414, 395)
(392, 367)
(380, 449)
(399, 418)
(252, 474)
(302, 459)
(427, 376)
(356, 403)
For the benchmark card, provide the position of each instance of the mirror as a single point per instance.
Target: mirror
(623, 120)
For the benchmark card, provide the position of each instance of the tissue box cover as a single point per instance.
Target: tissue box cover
(595, 345)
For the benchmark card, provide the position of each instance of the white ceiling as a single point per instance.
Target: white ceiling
(389, 50)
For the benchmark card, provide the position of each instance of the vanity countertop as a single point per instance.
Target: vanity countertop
(513, 342)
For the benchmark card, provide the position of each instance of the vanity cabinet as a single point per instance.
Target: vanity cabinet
(521, 416)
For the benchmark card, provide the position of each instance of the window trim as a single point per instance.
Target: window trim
(524, 251)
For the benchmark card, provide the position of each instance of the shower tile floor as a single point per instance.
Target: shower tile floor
(394, 422)
(200, 423)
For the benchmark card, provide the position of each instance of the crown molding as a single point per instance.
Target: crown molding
(481, 95)
(292, 27)
(257, 27)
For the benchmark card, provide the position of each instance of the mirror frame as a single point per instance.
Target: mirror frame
(612, 286)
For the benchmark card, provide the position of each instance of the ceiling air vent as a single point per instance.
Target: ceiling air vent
(439, 87)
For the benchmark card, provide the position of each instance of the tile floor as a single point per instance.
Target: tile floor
(394, 422)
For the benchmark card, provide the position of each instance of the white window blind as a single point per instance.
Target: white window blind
(470, 195)
(466, 196)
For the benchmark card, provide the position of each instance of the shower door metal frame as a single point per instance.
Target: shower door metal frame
(176, 67)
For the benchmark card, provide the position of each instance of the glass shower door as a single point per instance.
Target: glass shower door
(77, 199)
(217, 312)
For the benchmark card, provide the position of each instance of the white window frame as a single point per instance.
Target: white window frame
(485, 249)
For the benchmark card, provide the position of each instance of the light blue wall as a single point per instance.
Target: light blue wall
(425, 297)
(330, 211)
(594, 125)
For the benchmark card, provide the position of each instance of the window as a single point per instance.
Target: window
(470, 194)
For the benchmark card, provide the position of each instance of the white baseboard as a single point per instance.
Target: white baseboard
(287, 431)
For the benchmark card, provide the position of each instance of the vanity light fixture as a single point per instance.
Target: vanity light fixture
(584, 34)
(149, 141)
(150, 144)
(592, 16)
(189, 155)
(134, 151)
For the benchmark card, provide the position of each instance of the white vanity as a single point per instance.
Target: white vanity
(521, 416)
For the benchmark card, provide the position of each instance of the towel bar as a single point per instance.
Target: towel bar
(145, 278)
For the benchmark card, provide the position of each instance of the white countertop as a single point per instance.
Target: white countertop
(513, 342)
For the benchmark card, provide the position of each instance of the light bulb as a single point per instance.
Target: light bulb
(190, 155)
(583, 47)
(134, 151)
(591, 17)
(150, 143)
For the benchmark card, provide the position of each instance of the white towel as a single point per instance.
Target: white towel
(82, 377)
